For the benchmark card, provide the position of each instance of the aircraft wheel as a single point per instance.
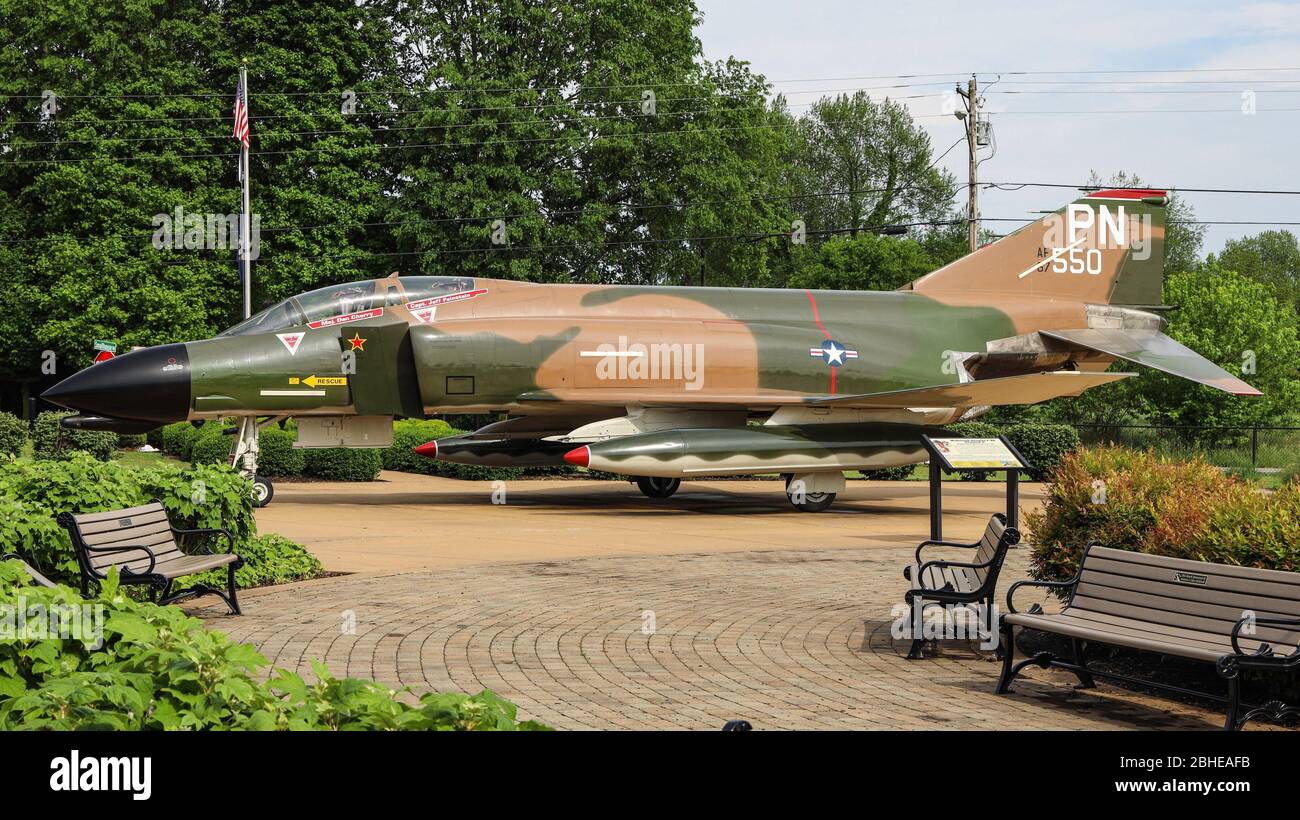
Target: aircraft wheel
(813, 502)
(263, 491)
(655, 487)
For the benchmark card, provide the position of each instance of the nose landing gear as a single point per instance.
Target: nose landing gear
(243, 456)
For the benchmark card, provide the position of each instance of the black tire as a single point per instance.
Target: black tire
(813, 502)
(655, 487)
(263, 491)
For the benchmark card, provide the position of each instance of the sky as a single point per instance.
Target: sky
(1049, 131)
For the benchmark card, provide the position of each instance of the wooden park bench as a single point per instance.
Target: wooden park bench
(947, 583)
(32, 571)
(1237, 618)
(141, 543)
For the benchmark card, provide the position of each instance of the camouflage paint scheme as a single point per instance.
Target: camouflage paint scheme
(844, 379)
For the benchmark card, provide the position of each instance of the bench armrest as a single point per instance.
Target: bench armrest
(153, 559)
(230, 539)
(1291, 659)
(961, 564)
(932, 543)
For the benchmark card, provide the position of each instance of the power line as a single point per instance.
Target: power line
(578, 87)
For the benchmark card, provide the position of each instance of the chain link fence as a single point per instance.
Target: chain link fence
(1263, 450)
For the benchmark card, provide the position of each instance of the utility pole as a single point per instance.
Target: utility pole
(245, 217)
(971, 119)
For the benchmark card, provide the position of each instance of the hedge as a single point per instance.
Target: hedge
(901, 473)
(160, 669)
(211, 446)
(32, 493)
(343, 464)
(178, 439)
(1043, 446)
(52, 440)
(13, 434)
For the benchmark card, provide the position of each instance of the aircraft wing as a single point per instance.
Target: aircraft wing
(1029, 388)
(1155, 349)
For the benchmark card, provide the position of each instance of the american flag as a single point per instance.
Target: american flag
(241, 115)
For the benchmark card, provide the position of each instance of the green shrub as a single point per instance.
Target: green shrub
(52, 440)
(155, 437)
(178, 439)
(125, 440)
(409, 434)
(1133, 500)
(278, 457)
(211, 446)
(33, 493)
(159, 669)
(973, 429)
(343, 464)
(1043, 446)
(901, 473)
(13, 434)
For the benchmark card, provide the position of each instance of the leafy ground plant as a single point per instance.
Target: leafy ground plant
(156, 668)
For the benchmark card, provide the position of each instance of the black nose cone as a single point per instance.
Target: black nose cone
(152, 384)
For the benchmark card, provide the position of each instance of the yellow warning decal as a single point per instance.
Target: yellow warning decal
(320, 381)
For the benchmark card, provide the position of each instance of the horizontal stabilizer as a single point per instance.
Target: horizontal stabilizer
(1030, 388)
(1155, 349)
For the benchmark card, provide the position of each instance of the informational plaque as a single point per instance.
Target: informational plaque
(975, 453)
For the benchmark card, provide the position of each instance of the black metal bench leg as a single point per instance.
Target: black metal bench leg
(1008, 646)
(918, 613)
(1231, 724)
(1085, 678)
(233, 600)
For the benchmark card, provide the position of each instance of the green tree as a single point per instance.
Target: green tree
(1271, 257)
(876, 157)
(863, 262)
(142, 127)
(1238, 324)
(580, 141)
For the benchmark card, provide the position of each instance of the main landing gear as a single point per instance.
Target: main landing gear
(655, 487)
(243, 456)
(812, 492)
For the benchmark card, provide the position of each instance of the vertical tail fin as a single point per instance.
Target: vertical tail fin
(1106, 248)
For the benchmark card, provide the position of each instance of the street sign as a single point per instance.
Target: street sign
(105, 347)
(103, 356)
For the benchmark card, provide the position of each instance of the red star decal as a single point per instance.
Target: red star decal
(358, 343)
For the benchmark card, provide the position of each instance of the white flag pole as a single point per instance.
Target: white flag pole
(244, 215)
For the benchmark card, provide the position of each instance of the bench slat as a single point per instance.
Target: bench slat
(1203, 567)
(127, 534)
(1172, 597)
(84, 519)
(1174, 619)
(1105, 621)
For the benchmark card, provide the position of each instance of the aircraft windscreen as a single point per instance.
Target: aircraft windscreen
(339, 300)
(321, 303)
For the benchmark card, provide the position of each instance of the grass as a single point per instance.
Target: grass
(134, 458)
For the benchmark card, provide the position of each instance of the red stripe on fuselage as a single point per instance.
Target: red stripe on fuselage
(818, 319)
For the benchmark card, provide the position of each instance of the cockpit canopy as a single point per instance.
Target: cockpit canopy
(339, 300)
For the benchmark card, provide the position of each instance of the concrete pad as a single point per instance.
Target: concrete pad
(405, 522)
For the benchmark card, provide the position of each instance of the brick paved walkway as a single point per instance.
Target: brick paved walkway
(787, 639)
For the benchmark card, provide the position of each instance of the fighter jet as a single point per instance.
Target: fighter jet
(661, 384)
